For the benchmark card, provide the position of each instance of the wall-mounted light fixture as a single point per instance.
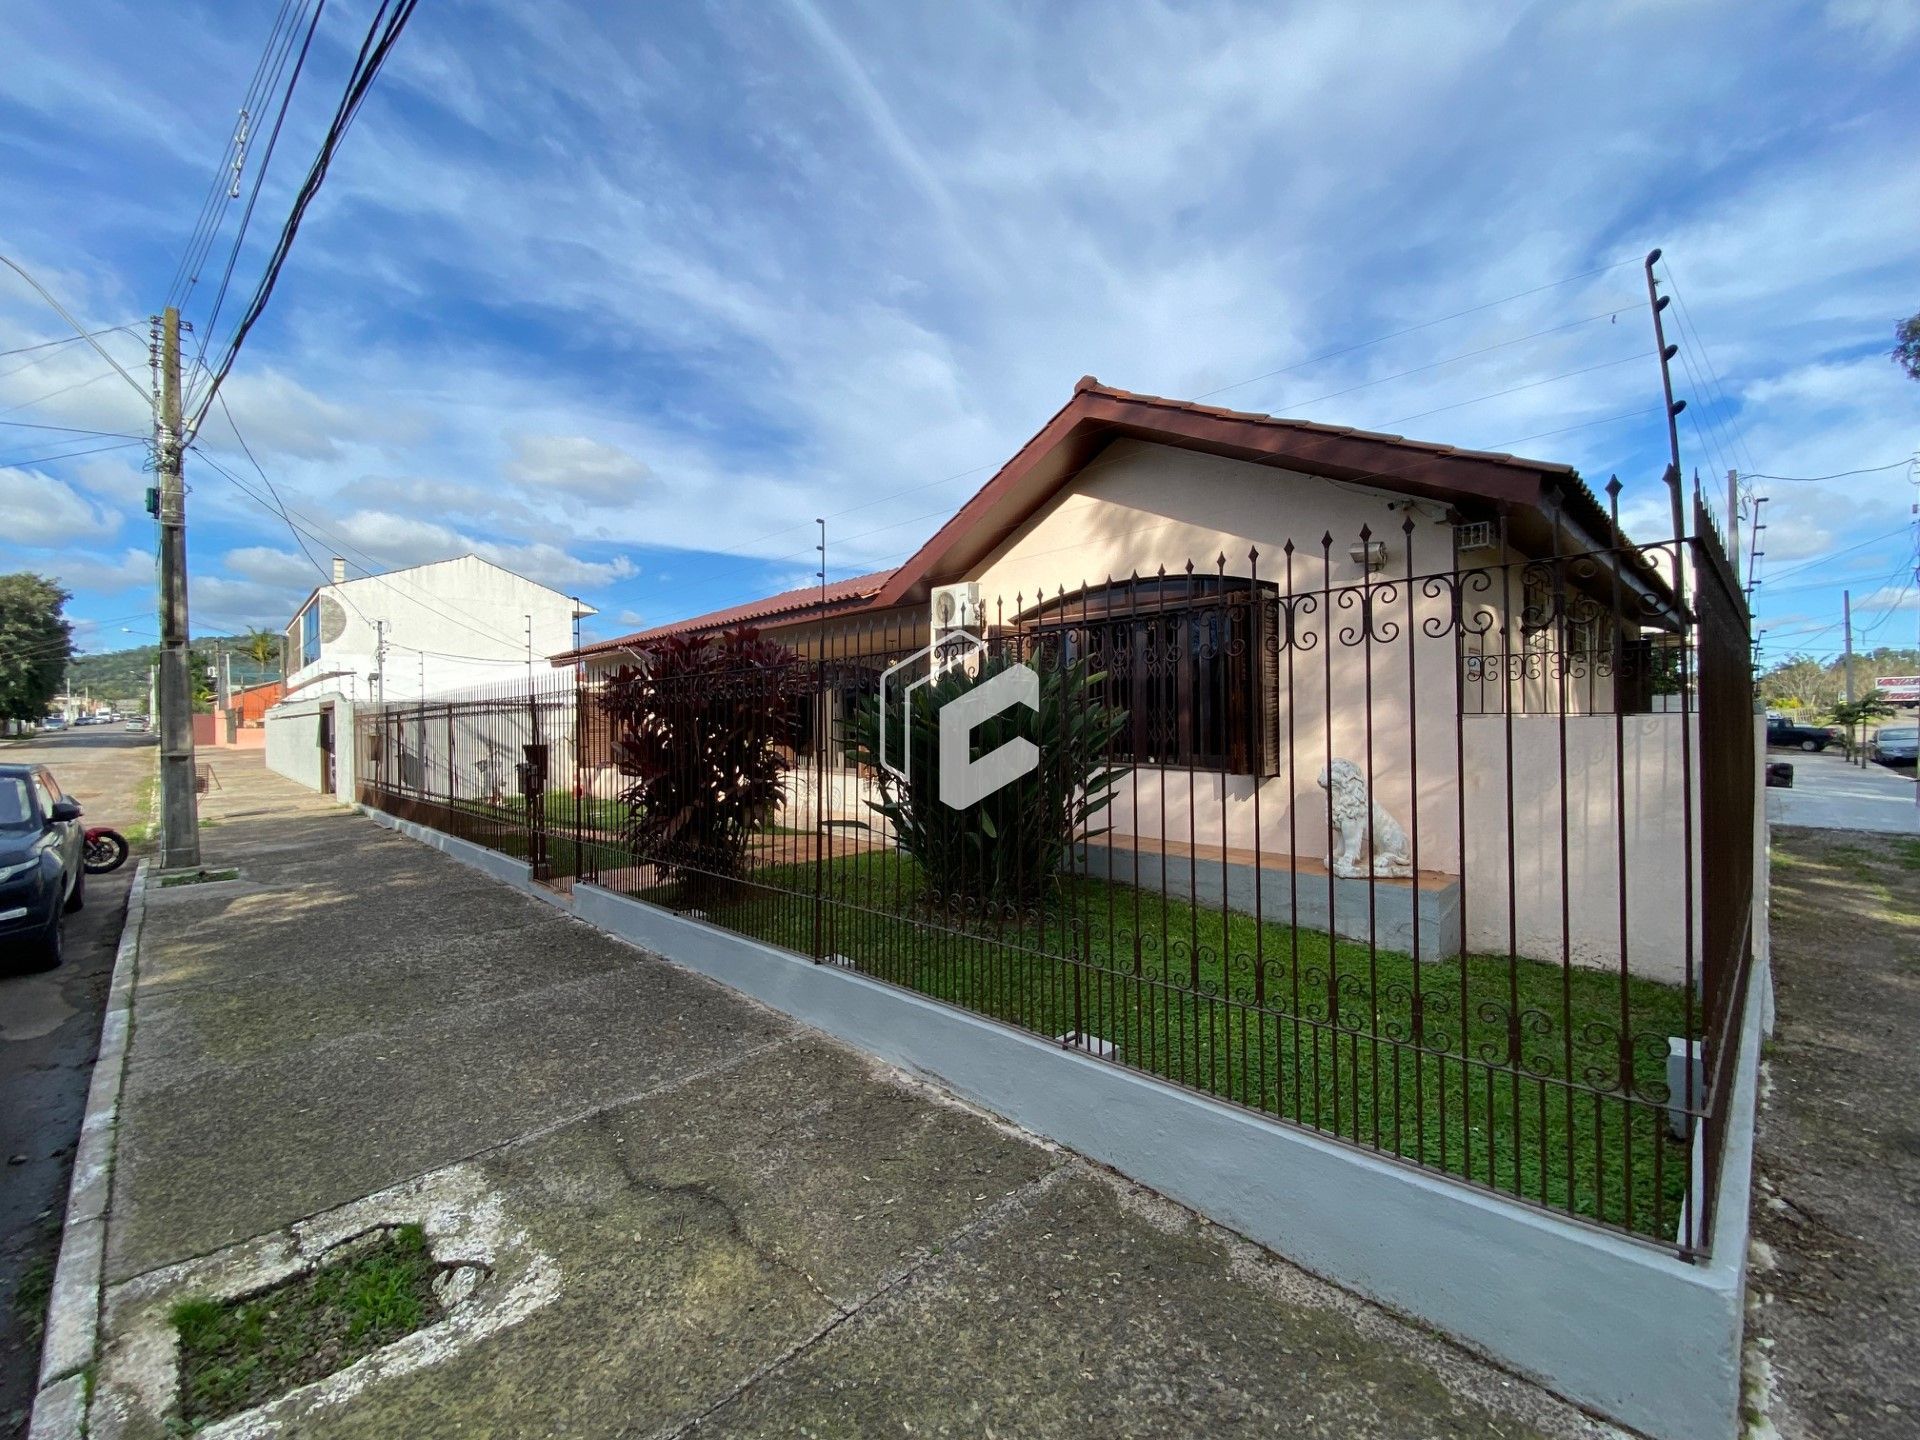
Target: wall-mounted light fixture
(1370, 555)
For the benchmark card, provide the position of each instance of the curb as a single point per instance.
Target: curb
(72, 1332)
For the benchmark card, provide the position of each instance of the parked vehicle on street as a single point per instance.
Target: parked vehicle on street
(106, 849)
(135, 724)
(1895, 745)
(42, 868)
(1781, 731)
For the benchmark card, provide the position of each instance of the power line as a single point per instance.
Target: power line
(74, 430)
(186, 273)
(316, 532)
(1296, 366)
(1095, 465)
(1836, 554)
(1837, 475)
(69, 454)
(382, 34)
(260, 174)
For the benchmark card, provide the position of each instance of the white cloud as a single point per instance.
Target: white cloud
(94, 570)
(42, 511)
(576, 465)
(264, 565)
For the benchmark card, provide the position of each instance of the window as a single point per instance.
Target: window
(310, 634)
(15, 810)
(1183, 656)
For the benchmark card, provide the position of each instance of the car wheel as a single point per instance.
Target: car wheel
(1810, 746)
(79, 895)
(53, 944)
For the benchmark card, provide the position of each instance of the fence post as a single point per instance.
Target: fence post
(536, 773)
(579, 773)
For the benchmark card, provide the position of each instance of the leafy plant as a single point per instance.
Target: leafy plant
(1870, 706)
(701, 729)
(1009, 848)
(35, 641)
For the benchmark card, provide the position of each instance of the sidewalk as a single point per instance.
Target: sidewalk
(697, 1213)
(1836, 1276)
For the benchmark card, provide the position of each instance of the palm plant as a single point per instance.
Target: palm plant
(1008, 848)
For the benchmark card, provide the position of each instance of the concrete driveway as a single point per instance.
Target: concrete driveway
(1830, 794)
(697, 1214)
(49, 1031)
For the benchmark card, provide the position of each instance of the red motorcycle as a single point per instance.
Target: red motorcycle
(105, 850)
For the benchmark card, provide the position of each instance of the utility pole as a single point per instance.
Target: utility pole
(380, 660)
(1846, 623)
(1733, 522)
(179, 807)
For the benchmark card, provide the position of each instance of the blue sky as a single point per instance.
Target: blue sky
(622, 297)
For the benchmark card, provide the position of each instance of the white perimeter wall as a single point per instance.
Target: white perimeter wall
(293, 743)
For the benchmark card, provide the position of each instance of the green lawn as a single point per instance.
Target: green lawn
(1532, 1106)
(1248, 1020)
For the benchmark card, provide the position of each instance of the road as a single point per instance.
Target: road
(1830, 794)
(49, 1031)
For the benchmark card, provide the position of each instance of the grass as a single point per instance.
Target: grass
(1533, 1106)
(146, 797)
(237, 1354)
(1514, 1079)
(30, 1298)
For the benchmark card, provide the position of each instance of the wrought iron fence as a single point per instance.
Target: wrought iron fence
(1356, 848)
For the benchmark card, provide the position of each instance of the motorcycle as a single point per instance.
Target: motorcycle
(105, 850)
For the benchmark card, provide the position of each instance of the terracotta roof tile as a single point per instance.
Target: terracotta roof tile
(840, 596)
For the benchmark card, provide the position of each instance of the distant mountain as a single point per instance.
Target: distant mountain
(121, 675)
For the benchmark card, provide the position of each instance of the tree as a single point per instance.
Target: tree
(262, 647)
(702, 728)
(1801, 682)
(35, 643)
(1009, 848)
(1906, 346)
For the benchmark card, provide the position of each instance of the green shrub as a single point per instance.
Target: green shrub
(701, 730)
(1009, 848)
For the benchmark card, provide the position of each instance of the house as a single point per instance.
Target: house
(404, 635)
(1267, 596)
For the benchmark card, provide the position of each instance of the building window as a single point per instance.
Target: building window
(1183, 656)
(310, 634)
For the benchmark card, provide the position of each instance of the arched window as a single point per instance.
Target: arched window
(1184, 656)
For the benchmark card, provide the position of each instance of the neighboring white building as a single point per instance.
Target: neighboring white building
(426, 630)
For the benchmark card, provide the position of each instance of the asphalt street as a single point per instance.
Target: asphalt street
(49, 1032)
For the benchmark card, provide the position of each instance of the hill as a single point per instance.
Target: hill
(121, 675)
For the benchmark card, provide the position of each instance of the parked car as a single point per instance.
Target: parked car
(135, 724)
(1895, 745)
(1800, 737)
(42, 863)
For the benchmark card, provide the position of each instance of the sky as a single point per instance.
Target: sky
(623, 297)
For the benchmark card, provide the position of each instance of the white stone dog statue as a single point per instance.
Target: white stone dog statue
(1362, 826)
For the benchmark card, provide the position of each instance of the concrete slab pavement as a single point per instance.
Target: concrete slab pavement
(754, 1229)
(1828, 793)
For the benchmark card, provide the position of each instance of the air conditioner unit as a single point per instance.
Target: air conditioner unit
(1473, 535)
(956, 607)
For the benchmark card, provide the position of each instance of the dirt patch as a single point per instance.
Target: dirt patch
(1839, 1147)
(371, 1291)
